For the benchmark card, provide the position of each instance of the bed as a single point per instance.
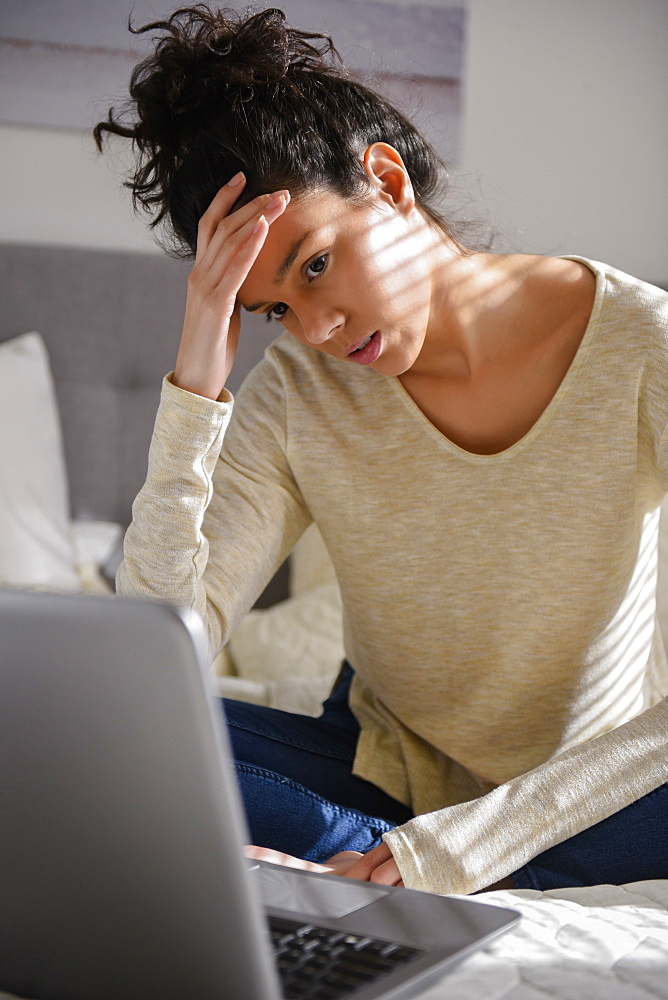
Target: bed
(85, 338)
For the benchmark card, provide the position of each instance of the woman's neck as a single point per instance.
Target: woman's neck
(503, 332)
(490, 307)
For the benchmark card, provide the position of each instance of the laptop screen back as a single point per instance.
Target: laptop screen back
(119, 810)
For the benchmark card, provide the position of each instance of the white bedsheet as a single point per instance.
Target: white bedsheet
(608, 942)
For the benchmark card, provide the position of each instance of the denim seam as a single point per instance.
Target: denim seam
(307, 793)
(297, 744)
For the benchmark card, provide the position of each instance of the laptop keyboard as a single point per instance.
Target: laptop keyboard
(317, 963)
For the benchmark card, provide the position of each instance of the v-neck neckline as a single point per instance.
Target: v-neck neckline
(562, 389)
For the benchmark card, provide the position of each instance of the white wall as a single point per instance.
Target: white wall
(566, 127)
(55, 188)
(565, 140)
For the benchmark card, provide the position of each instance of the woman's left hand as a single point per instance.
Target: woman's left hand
(376, 865)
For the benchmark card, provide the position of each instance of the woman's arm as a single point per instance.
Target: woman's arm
(470, 846)
(219, 511)
(211, 524)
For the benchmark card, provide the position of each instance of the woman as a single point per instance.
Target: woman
(480, 439)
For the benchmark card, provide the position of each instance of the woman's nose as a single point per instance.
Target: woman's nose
(320, 326)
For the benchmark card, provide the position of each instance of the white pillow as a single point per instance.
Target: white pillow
(36, 549)
(287, 656)
(95, 543)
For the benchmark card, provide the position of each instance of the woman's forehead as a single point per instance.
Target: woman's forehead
(306, 222)
(320, 204)
(286, 237)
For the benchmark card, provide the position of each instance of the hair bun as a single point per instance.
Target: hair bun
(223, 92)
(200, 42)
(200, 52)
(255, 51)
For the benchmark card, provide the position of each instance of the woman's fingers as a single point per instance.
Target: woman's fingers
(228, 244)
(215, 283)
(279, 858)
(241, 254)
(219, 208)
(341, 863)
(225, 254)
(387, 874)
(377, 865)
(211, 323)
(219, 222)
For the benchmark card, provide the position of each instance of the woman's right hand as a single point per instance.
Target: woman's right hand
(227, 247)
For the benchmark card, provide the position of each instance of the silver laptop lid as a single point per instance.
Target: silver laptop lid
(92, 819)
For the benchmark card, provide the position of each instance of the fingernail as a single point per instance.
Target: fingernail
(277, 200)
(237, 179)
(258, 225)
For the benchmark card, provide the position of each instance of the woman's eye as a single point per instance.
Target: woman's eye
(316, 266)
(277, 312)
(312, 271)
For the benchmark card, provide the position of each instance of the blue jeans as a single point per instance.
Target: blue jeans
(301, 797)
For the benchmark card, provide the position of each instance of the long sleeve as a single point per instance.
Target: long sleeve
(471, 845)
(219, 510)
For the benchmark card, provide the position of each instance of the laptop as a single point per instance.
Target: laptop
(122, 872)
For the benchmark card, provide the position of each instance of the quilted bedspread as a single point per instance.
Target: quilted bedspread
(608, 942)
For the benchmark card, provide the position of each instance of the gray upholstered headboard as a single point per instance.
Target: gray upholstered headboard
(111, 322)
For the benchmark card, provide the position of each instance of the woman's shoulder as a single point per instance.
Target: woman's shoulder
(573, 271)
(625, 313)
(623, 291)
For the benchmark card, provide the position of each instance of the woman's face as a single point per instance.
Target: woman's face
(351, 280)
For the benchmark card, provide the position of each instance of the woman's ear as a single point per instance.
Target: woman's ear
(388, 176)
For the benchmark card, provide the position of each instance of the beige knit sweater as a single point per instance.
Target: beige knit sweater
(499, 609)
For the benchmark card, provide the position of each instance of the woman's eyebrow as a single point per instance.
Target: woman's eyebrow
(282, 272)
(290, 258)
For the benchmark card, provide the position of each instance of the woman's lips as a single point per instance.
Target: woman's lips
(367, 354)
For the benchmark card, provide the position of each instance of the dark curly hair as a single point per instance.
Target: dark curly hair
(223, 92)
